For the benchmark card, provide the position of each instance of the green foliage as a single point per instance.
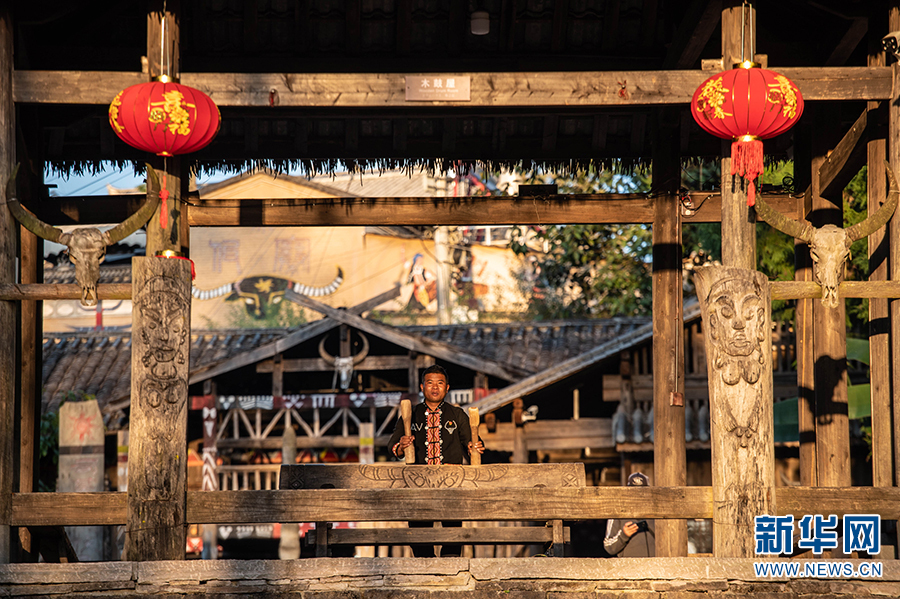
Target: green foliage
(576, 271)
(49, 452)
(49, 442)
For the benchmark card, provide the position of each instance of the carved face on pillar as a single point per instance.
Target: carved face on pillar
(737, 319)
(164, 330)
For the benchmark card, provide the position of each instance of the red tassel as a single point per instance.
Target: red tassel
(747, 161)
(164, 210)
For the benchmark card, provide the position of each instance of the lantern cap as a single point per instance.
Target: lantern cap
(169, 254)
(746, 138)
(164, 79)
(747, 64)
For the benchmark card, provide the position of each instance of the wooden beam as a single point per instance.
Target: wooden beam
(496, 90)
(853, 36)
(522, 535)
(701, 19)
(783, 290)
(556, 209)
(396, 475)
(844, 162)
(303, 442)
(413, 342)
(270, 350)
(53, 291)
(320, 365)
(545, 435)
(8, 228)
(335, 505)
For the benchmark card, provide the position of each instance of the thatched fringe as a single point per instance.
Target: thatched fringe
(330, 166)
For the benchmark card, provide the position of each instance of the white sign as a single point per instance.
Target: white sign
(441, 88)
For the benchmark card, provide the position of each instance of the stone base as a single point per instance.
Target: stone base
(538, 578)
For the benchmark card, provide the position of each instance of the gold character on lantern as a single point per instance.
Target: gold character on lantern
(114, 113)
(711, 99)
(782, 92)
(172, 110)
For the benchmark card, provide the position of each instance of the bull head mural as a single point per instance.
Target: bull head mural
(829, 245)
(260, 292)
(343, 366)
(87, 246)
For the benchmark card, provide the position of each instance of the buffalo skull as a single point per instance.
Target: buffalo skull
(87, 247)
(343, 367)
(829, 245)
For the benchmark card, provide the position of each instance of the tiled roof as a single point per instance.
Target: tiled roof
(99, 363)
(109, 273)
(532, 346)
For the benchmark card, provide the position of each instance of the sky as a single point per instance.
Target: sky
(88, 185)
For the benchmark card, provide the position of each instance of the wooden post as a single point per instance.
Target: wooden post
(31, 260)
(830, 333)
(520, 443)
(442, 259)
(413, 374)
(669, 457)
(210, 411)
(159, 375)
(474, 422)
(7, 275)
(736, 309)
(278, 375)
(805, 345)
(289, 545)
(879, 252)
(738, 221)
(167, 229)
(894, 232)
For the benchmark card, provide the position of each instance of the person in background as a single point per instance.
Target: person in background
(627, 538)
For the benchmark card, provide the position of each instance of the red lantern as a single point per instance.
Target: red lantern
(747, 104)
(164, 117)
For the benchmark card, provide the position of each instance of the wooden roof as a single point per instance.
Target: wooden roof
(558, 84)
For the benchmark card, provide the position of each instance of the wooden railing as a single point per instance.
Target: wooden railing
(341, 505)
(253, 477)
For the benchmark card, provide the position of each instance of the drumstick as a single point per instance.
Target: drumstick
(406, 414)
(474, 421)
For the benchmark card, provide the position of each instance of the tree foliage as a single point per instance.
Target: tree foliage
(575, 271)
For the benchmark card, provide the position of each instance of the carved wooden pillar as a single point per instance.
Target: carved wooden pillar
(736, 308)
(157, 486)
(7, 275)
